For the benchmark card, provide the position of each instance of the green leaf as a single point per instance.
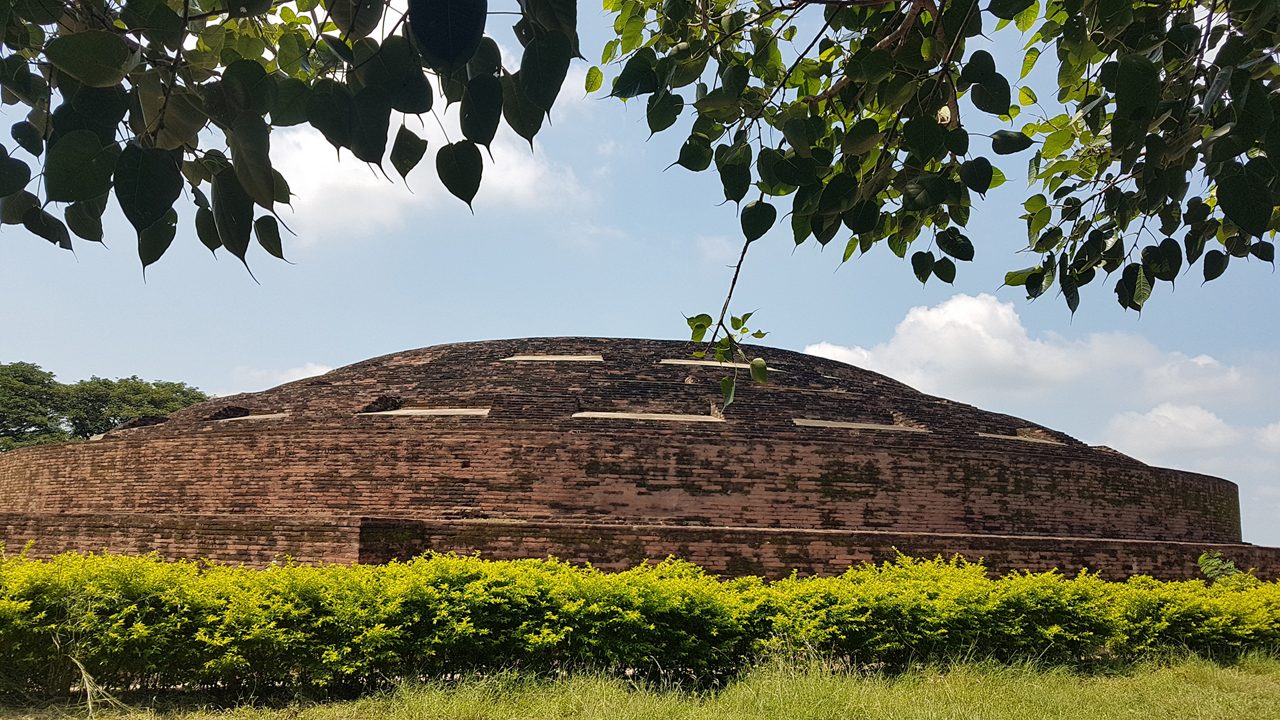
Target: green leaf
(460, 167)
(331, 110)
(662, 111)
(447, 32)
(481, 109)
(958, 141)
(14, 207)
(637, 76)
(1163, 261)
(924, 137)
(372, 125)
(698, 326)
(735, 178)
(759, 370)
(521, 114)
(557, 16)
(155, 240)
(1027, 96)
(147, 183)
(28, 136)
(1029, 61)
(595, 79)
(727, 387)
(291, 102)
(1008, 9)
(993, 95)
(232, 213)
(1264, 251)
(922, 265)
(1215, 263)
(42, 224)
(250, 143)
(14, 175)
(355, 18)
(96, 58)
(543, 68)
(79, 167)
(267, 230)
(207, 230)
(951, 242)
(1245, 203)
(980, 68)
(407, 151)
(84, 218)
(247, 88)
(757, 217)
(1007, 142)
(695, 154)
(945, 270)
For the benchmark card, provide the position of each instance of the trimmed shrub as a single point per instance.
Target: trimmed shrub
(143, 623)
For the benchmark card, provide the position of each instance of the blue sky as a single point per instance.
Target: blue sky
(588, 235)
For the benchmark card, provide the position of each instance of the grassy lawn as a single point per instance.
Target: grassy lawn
(1188, 690)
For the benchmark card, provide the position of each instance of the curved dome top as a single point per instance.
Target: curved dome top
(556, 380)
(570, 440)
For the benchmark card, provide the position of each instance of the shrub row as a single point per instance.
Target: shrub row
(143, 623)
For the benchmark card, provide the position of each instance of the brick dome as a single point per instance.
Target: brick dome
(613, 451)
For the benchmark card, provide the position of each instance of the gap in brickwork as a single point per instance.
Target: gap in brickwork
(663, 417)
(436, 412)
(553, 358)
(710, 363)
(1023, 438)
(837, 424)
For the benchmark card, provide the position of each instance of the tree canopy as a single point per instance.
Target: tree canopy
(853, 121)
(36, 409)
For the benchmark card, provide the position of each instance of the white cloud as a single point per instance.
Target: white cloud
(1167, 408)
(1169, 427)
(247, 379)
(345, 198)
(718, 250)
(1269, 437)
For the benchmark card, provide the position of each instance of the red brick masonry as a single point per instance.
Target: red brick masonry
(756, 493)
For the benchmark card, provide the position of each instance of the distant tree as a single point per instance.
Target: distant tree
(96, 405)
(30, 406)
(36, 409)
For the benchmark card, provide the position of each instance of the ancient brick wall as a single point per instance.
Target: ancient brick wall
(822, 447)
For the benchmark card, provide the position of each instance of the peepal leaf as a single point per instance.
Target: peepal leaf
(481, 109)
(543, 68)
(407, 151)
(79, 167)
(155, 240)
(97, 58)
(1245, 203)
(267, 230)
(1007, 142)
(84, 218)
(232, 213)
(757, 217)
(460, 167)
(447, 32)
(42, 224)
(148, 182)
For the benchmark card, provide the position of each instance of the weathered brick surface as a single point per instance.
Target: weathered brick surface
(529, 461)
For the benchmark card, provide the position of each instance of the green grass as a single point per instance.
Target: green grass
(1184, 690)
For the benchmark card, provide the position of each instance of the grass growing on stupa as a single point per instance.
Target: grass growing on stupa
(1246, 690)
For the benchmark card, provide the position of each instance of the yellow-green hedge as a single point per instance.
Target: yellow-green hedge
(139, 622)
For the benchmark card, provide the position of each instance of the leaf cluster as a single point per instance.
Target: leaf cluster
(1163, 147)
(141, 100)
